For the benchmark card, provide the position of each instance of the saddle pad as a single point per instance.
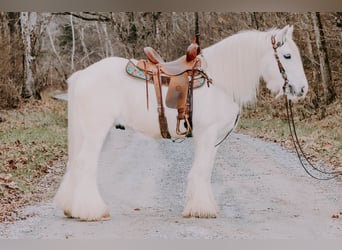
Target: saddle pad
(136, 72)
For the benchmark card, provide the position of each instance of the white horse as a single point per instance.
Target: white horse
(103, 94)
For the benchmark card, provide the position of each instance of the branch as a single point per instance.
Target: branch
(73, 43)
(92, 16)
(57, 55)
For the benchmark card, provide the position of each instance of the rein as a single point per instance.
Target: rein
(300, 153)
(288, 104)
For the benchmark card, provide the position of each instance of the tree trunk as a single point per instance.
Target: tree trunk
(84, 47)
(197, 30)
(255, 22)
(325, 72)
(64, 72)
(28, 21)
(15, 46)
(73, 43)
(310, 58)
(101, 42)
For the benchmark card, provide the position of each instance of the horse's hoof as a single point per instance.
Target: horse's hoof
(104, 217)
(67, 213)
(198, 216)
(202, 213)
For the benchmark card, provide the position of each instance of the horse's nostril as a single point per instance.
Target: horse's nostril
(291, 89)
(301, 92)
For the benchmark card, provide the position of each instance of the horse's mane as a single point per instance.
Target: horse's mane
(235, 63)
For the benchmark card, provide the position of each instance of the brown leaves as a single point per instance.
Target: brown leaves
(10, 185)
(9, 193)
(22, 166)
(32, 141)
(7, 182)
(336, 216)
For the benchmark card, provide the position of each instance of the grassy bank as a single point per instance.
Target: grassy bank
(320, 138)
(33, 139)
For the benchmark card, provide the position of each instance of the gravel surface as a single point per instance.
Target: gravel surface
(261, 189)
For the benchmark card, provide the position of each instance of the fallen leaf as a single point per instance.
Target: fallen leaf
(5, 177)
(11, 185)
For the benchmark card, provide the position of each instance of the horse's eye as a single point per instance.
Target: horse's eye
(287, 56)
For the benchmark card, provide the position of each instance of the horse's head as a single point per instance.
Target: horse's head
(282, 67)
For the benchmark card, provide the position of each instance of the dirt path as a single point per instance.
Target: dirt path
(260, 188)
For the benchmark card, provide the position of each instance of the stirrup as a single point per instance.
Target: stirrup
(188, 127)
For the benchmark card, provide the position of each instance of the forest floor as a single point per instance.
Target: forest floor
(33, 146)
(33, 142)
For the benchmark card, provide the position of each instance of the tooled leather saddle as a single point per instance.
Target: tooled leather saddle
(179, 75)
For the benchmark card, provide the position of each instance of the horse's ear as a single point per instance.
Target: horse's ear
(290, 31)
(282, 34)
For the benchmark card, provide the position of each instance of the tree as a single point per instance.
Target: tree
(325, 71)
(28, 21)
(11, 68)
(74, 40)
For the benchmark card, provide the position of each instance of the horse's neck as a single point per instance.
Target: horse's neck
(234, 64)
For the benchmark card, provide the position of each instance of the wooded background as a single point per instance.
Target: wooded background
(40, 50)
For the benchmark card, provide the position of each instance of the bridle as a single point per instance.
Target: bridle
(280, 65)
(288, 104)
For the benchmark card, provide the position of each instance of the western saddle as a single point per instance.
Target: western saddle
(179, 76)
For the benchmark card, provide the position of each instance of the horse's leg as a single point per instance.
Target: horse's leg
(200, 201)
(78, 193)
(87, 202)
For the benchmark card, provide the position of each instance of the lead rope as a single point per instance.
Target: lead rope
(292, 127)
(300, 153)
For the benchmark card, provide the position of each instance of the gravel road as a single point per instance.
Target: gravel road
(261, 190)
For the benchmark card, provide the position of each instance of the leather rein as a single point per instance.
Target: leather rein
(288, 104)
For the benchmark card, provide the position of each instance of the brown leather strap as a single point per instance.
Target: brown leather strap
(185, 113)
(161, 115)
(146, 78)
(180, 92)
(189, 104)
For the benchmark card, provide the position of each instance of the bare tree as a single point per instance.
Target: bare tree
(325, 71)
(60, 61)
(73, 43)
(74, 40)
(28, 21)
(84, 48)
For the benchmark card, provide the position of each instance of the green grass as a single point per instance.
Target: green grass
(275, 127)
(32, 139)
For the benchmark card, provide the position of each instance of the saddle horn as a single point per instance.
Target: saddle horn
(193, 50)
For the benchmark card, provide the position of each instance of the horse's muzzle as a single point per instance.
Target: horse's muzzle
(296, 93)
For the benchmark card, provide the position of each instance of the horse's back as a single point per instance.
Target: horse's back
(104, 67)
(98, 77)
